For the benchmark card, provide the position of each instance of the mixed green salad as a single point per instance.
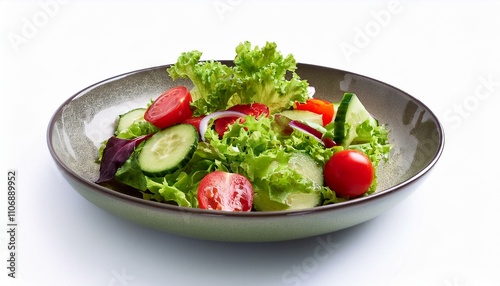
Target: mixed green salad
(246, 137)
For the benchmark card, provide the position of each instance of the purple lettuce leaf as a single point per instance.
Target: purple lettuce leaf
(116, 152)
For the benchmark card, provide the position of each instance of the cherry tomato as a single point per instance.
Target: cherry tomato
(318, 106)
(225, 191)
(171, 107)
(222, 124)
(195, 121)
(349, 173)
(255, 109)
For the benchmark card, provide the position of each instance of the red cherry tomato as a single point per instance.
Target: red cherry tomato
(195, 121)
(225, 191)
(171, 107)
(318, 106)
(349, 173)
(222, 124)
(255, 109)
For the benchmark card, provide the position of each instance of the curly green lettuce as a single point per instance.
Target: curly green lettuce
(282, 167)
(374, 142)
(138, 128)
(260, 75)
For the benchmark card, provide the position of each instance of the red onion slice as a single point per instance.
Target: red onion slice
(316, 134)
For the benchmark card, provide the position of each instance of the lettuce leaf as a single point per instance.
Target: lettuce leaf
(130, 173)
(166, 192)
(260, 75)
(376, 146)
(137, 128)
(213, 81)
(116, 152)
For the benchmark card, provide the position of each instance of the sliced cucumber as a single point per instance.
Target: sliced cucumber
(350, 114)
(126, 119)
(168, 150)
(307, 167)
(303, 115)
(300, 201)
(292, 197)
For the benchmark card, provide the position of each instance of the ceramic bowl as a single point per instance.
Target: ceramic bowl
(81, 123)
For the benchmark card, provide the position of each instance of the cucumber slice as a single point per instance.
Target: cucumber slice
(350, 114)
(294, 198)
(307, 167)
(126, 119)
(303, 115)
(168, 150)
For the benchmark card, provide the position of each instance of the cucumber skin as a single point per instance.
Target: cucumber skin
(339, 131)
(181, 163)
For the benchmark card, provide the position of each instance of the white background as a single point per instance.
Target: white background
(445, 53)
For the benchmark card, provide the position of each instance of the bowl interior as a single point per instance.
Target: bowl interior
(85, 120)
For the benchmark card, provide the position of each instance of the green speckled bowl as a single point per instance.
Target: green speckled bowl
(86, 119)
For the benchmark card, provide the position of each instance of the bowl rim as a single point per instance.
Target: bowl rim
(254, 214)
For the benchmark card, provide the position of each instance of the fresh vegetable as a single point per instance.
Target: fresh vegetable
(114, 155)
(291, 182)
(303, 115)
(349, 173)
(168, 150)
(297, 125)
(318, 106)
(232, 115)
(225, 191)
(137, 128)
(195, 121)
(132, 124)
(260, 75)
(255, 109)
(350, 114)
(263, 75)
(261, 150)
(170, 108)
(247, 136)
(127, 119)
(316, 131)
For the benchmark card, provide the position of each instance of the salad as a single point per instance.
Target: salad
(247, 137)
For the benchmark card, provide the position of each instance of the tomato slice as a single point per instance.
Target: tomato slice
(225, 191)
(171, 107)
(255, 109)
(349, 173)
(318, 106)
